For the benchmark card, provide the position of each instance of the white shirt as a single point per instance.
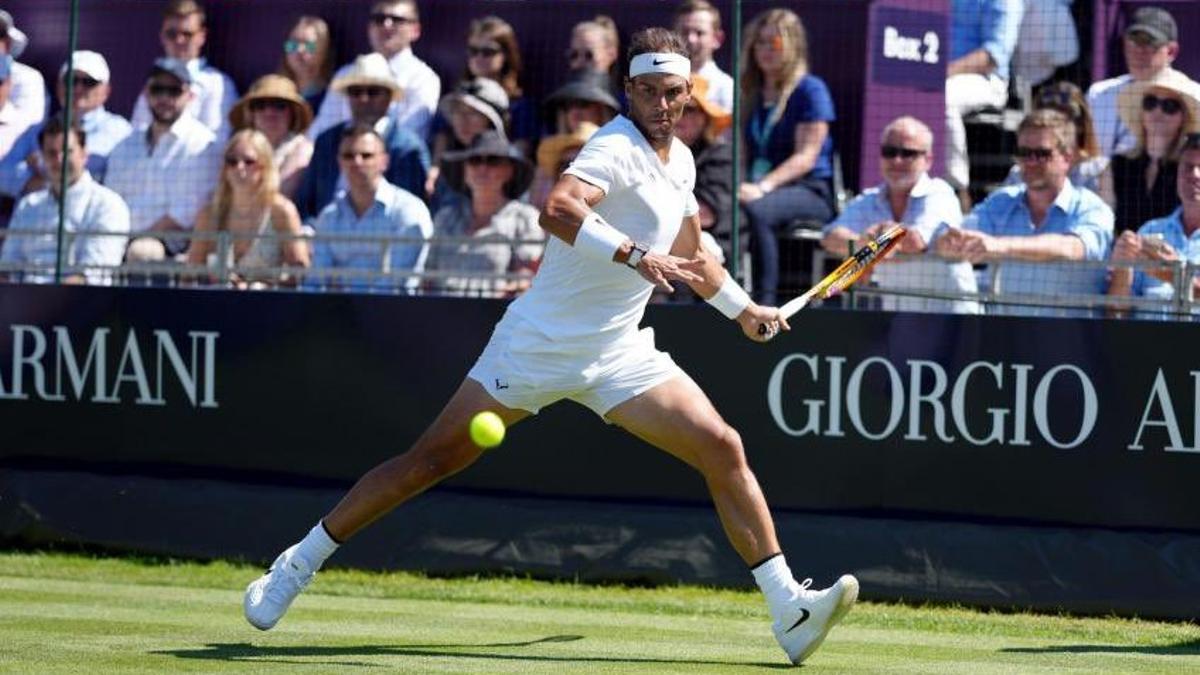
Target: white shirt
(12, 124)
(1114, 137)
(90, 207)
(28, 92)
(215, 95)
(422, 88)
(173, 178)
(720, 85)
(585, 301)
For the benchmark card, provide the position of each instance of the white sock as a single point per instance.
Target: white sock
(774, 578)
(316, 547)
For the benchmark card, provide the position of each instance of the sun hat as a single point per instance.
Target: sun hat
(550, 150)
(719, 118)
(485, 96)
(272, 87)
(1129, 101)
(584, 85)
(369, 70)
(489, 144)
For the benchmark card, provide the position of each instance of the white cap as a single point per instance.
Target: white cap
(88, 62)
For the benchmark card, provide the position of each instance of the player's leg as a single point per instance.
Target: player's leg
(443, 450)
(678, 417)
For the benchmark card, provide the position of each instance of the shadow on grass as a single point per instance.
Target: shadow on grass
(1185, 648)
(246, 652)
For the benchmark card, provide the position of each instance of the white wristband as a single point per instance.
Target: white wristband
(597, 239)
(730, 300)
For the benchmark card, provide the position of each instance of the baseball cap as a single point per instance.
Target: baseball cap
(90, 63)
(173, 67)
(1155, 22)
(19, 41)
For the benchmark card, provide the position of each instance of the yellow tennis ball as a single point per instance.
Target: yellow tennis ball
(487, 429)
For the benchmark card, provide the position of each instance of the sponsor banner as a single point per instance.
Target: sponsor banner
(1038, 420)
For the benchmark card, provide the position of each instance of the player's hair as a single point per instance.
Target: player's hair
(184, 9)
(1055, 121)
(357, 129)
(691, 6)
(56, 126)
(909, 122)
(793, 45)
(391, 3)
(501, 32)
(656, 41)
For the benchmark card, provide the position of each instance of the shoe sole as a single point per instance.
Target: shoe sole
(849, 597)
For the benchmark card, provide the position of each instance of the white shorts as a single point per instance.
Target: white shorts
(524, 369)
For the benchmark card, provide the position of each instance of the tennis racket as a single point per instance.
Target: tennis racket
(846, 273)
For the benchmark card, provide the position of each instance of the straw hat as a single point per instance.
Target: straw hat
(719, 118)
(276, 88)
(1129, 101)
(551, 149)
(489, 144)
(369, 70)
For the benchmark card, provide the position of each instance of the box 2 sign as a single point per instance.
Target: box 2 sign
(908, 49)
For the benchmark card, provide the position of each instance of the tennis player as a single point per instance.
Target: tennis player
(623, 220)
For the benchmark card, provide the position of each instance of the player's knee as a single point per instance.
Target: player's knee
(727, 454)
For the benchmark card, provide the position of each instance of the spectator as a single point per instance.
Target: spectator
(787, 112)
(369, 206)
(586, 97)
(1151, 46)
(248, 205)
(371, 89)
(1049, 40)
(923, 205)
(12, 122)
(1159, 113)
(702, 128)
(983, 34)
(1044, 220)
(90, 209)
(595, 46)
(28, 96)
(308, 59)
(699, 22)
(394, 26)
(1088, 163)
(1164, 239)
(184, 32)
(167, 170)
(554, 154)
(505, 238)
(22, 171)
(494, 53)
(274, 107)
(474, 106)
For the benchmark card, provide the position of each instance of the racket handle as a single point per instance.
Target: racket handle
(788, 310)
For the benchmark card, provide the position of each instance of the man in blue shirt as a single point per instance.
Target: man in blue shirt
(370, 88)
(1025, 228)
(1163, 239)
(22, 171)
(983, 35)
(370, 209)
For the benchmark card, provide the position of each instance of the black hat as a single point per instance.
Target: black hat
(584, 85)
(1155, 22)
(489, 144)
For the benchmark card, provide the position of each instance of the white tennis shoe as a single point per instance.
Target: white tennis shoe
(812, 614)
(269, 596)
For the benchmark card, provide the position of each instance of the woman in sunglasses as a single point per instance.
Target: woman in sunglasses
(494, 53)
(1088, 164)
(1159, 113)
(274, 107)
(308, 59)
(488, 245)
(247, 204)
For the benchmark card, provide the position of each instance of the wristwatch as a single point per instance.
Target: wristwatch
(635, 256)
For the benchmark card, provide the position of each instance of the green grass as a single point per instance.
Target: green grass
(72, 613)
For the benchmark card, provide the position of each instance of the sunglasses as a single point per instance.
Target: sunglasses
(580, 54)
(490, 160)
(485, 52)
(86, 82)
(1026, 154)
(1142, 39)
(295, 46)
(278, 105)
(894, 151)
(1169, 106)
(369, 92)
(234, 162)
(387, 20)
(351, 156)
(172, 33)
(166, 90)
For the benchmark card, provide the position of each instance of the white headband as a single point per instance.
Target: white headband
(669, 63)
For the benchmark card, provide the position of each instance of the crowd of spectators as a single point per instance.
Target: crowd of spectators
(323, 178)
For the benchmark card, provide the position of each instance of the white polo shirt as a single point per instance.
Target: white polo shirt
(585, 301)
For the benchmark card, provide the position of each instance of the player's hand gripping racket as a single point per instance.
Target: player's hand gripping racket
(846, 274)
